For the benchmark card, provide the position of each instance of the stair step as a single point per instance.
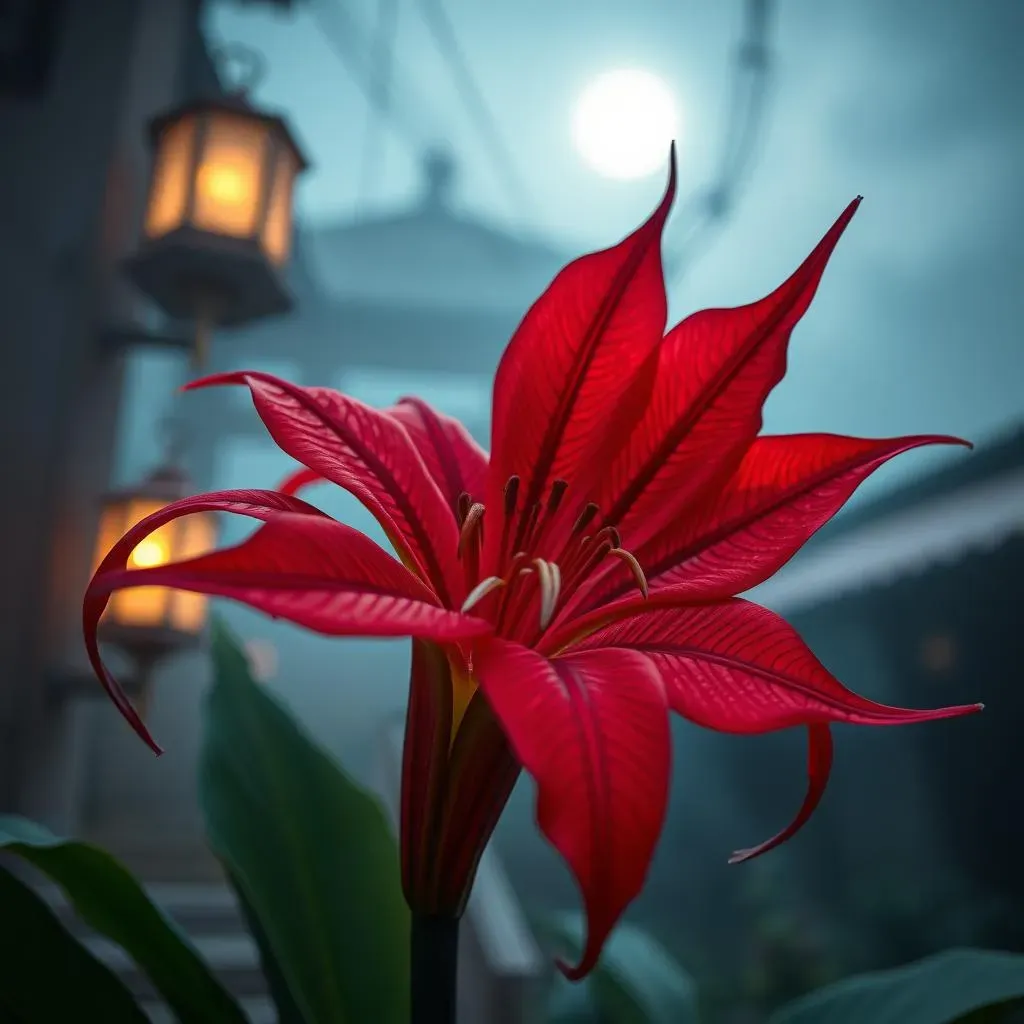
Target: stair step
(233, 958)
(197, 908)
(259, 1010)
(209, 915)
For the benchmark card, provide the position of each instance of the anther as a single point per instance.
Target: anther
(558, 489)
(463, 506)
(481, 590)
(472, 525)
(634, 567)
(585, 518)
(550, 577)
(511, 493)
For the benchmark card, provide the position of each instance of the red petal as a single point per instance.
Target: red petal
(299, 480)
(573, 357)
(785, 489)
(482, 772)
(455, 461)
(738, 668)
(428, 732)
(592, 730)
(819, 765)
(301, 566)
(715, 370)
(366, 452)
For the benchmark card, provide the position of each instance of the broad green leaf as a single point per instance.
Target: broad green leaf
(108, 898)
(948, 988)
(311, 853)
(46, 975)
(636, 981)
(287, 1011)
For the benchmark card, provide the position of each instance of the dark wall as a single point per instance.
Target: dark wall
(73, 174)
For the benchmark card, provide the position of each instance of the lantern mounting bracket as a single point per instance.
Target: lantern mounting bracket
(119, 339)
(68, 683)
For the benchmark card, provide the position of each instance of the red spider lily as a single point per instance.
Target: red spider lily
(568, 592)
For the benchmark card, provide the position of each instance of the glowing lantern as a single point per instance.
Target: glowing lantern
(150, 622)
(218, 224)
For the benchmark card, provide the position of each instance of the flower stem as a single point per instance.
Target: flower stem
(435, 942)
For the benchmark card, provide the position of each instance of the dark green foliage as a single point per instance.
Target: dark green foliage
(310, 854)
(106, 896)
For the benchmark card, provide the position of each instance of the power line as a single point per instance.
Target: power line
(393, 103)
(707, 211)
(383, 54)
(472, 98)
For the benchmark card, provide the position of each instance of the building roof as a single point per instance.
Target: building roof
(974, 503)
(429, 255)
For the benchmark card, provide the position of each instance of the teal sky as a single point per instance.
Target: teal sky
(917, 326)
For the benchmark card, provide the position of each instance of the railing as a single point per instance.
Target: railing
(500, 965)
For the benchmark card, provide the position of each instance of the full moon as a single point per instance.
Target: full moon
(624, 122)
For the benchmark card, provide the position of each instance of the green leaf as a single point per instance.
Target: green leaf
(108, 898)
(46, 975)
(941, 989)
(311, 853)
(287, 1011)
(636, 981)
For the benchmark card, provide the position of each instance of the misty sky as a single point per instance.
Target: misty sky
(917, 326)
(915, 104)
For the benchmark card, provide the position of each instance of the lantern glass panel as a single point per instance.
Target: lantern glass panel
(195, 537)
(277, 232)
(172, 172)
(145, 607)
(230, 175)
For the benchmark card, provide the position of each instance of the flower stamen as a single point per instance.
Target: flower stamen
(550, 577)
(472, 528)
(480, 591)
(634, 567)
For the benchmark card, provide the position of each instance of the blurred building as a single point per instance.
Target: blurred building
(913, 599)
(416, 295)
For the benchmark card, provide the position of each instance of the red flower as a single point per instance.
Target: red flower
(570, 591)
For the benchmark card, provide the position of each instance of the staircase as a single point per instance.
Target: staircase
(209, 915)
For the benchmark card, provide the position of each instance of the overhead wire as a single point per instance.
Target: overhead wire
(472, 98)
(382, 59)
(394, 105)
(707, 211)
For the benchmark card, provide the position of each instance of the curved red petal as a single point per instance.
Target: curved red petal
(301, 566)
(367, 453)
(819, 767)
(428, 731)
(592, 730)
(455, 461)
(573, 357)
(482, 772)
(783, 491)
(739, 668)
(299, 480)
(715, 370)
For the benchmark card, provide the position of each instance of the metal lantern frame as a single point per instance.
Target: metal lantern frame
(175, 620)
(195, 270)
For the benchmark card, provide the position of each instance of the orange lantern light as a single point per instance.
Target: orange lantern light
(217, 231)
(148, 623)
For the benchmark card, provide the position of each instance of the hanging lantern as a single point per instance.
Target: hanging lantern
(218, 223)
(148, 623)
